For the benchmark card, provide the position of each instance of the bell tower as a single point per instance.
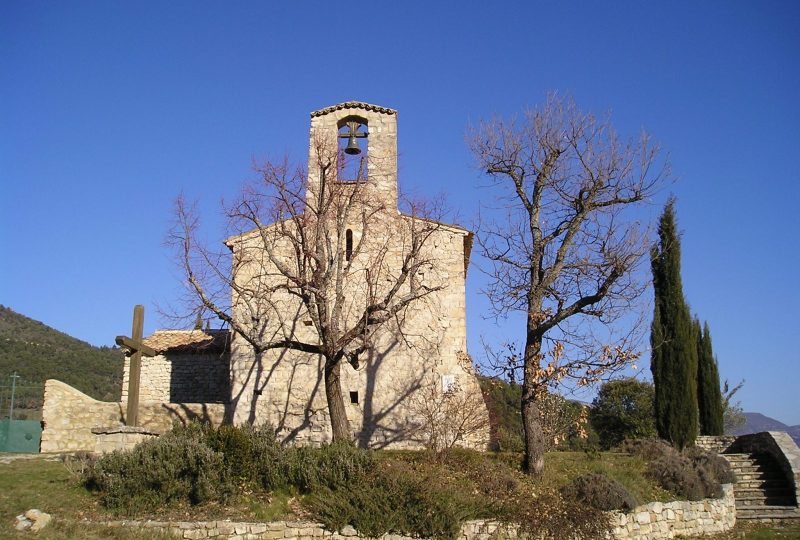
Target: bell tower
(362, 139)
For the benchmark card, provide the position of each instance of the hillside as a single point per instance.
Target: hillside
(37, 353)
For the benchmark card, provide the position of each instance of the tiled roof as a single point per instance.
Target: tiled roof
(353, 105)
(188, 340)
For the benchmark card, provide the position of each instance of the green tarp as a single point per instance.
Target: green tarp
(20, 436)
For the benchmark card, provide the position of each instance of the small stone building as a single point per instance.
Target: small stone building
(413, 364)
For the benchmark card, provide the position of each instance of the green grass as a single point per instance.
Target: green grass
(46, 485)
(562, 467)
(50, 487)
(759, 532)
(274, 507)
(73, 530)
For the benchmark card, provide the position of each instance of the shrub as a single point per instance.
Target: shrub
(677, 474)
(552, 516)
(693, 474)
(648, 449)
(251, 455)
(176, 466)
(712, 470)
(79, 464)
(623, 409)
(200, 463)
(397, 497)
(600, 492)
(330, 466)
(717, 466)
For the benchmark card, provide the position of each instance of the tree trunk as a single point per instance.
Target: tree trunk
(531, 421)
(333, 392)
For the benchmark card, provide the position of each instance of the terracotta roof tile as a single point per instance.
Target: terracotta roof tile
(353, 105)
(188, 340)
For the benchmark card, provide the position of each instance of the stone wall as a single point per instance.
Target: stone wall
(780, 446)
(714, 443)
(417, 354)
(108, 439)
(650, 521)
(178, 377)
(70, 416)
(677, 518)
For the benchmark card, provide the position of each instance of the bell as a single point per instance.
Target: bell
(352, 145)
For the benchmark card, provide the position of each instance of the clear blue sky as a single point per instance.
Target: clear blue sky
(109, 109)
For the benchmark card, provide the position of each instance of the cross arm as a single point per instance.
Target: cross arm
(124, 341)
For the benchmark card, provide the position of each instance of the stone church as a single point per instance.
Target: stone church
(414, 362)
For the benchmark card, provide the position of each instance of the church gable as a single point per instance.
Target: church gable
(420, 351)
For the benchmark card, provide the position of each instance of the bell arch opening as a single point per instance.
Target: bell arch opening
(353, 149)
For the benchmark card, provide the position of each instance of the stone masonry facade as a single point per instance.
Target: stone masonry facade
(181, 378)
(422, 354)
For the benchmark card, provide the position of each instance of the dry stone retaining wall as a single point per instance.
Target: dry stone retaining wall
(649, 521)
(715, 443)
(677, 518)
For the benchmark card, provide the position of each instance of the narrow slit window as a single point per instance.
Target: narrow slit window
(348, 244)
(354, 398)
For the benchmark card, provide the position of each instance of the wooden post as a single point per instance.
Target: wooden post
(137, 348)
(132, 416)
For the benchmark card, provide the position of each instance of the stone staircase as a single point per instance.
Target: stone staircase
(762, 491)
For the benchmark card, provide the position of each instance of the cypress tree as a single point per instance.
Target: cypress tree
(674, 346)
(709, 396)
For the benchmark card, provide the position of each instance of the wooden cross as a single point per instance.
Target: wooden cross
(137, 348)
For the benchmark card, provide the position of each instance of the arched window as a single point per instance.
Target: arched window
(348, 244)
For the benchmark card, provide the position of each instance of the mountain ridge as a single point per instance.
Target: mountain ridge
(757, 422)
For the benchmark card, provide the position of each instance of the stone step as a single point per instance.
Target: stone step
(768, 513)
(760, 483)
(776, 491)
(761, 491)
(756, 466)
(762, 501)
(765, 476)
(737, 458)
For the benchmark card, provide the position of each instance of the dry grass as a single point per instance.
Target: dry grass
(563, 467)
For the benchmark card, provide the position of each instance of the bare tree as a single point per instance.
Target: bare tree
(319, 265)
(562, 247)
(733, 417)
(451, 416)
